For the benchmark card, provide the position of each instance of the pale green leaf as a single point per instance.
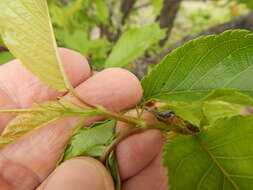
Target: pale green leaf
(195, 69)
(157, 4)
(26, 30)
(220, 158)
(202, 113)
(231, 96)
(133, 44)
(78, 40)
(102, 11)
(90, 141)
(59, 16)
(214, 110)
(43, 114)
(63, 16)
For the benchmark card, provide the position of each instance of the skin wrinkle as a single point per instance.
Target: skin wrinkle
(25, 180)
(6, 102)
(5, 90)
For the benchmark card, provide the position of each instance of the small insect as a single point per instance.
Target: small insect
(171, 118)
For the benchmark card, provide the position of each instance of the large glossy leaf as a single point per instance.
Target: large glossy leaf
(26, 30)
(193, 70)
(220, 158)
(133, 43)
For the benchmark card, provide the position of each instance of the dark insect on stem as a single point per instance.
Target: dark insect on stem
(171, 118)
(167, 114)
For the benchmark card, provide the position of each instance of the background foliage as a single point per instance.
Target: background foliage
(137, 33)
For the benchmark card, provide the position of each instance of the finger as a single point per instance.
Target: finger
(114, 88)
(137, 151)
(79, 173)
(20, 89)
(150, 178)
(37, 153)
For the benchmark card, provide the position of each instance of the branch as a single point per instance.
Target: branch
(126, 8)
(113, 22)
(168, 16)
(141, 6)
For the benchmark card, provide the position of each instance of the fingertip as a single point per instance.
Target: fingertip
(80, 173)
(113, 88)
(75, 65)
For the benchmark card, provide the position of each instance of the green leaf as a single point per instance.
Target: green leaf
(191, 72)
(216, 159)
(1, 42)
(202, 113)
(112, 166)
(231, 96)
(26, 30)
(248, 3)
(77, 40)
(5, 57)
(102, 11)
(214, 110)
(63, 15)
(43, 114)
(189, 111)
(133, 44)
(157, 4)
(90, 141)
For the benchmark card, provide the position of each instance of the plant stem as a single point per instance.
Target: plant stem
(124, 134)
(146, 124)
(73, 92)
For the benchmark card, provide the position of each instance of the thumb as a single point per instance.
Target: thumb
(79, 173)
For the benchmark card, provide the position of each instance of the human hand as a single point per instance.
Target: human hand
(29, 163)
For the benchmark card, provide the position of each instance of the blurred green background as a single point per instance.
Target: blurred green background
(137, 34)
